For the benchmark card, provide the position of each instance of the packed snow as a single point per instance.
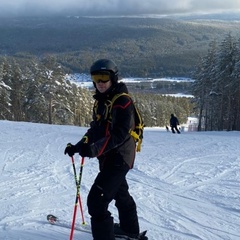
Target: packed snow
(186, 185)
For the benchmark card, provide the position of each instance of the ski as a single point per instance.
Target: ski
(141, 236)
(86, 229)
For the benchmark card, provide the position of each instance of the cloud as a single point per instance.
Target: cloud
(113, 7)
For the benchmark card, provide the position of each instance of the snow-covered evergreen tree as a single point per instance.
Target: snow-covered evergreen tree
(217, 86)
(5, 111)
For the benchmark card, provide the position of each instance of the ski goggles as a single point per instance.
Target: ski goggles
(101, 77)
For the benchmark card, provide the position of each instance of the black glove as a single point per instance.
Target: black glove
(70, 150)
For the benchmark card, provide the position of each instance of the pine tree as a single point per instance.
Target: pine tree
(226, 64)
(5, 111)
(52, 88)
(236, 88)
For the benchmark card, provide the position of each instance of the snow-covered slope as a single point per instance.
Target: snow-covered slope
(186, 186)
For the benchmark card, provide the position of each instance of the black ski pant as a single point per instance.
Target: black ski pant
(175, 128)
(110, 184)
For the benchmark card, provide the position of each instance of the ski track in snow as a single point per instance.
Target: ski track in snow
(186, 186)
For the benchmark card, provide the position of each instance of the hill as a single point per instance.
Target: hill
(186, 186)
(143, 47)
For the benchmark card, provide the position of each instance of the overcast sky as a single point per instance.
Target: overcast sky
(114, 7)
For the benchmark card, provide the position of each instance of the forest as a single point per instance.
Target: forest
(142, 47)
(217, 86)
(36, 91)
(36, 54)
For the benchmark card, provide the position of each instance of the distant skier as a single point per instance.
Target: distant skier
(174, 123)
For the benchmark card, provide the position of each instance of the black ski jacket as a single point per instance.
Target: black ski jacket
(110, 131)
(174, 121)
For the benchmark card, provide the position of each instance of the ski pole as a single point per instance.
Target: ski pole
(78, 199)
(78, 182)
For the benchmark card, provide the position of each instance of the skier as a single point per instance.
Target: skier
(109, 140)
(174, 123)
